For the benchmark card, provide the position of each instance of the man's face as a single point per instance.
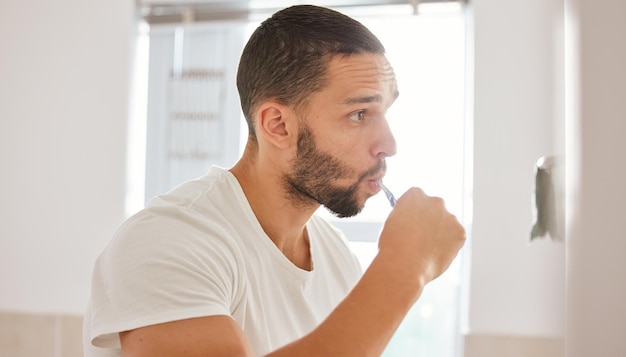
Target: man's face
(344, 137)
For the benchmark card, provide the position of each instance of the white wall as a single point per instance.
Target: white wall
(596, 123)
(516, 286)
(526, 69)
(64, 85)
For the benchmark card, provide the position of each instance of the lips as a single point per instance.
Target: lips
(378, 178)
(374, 186)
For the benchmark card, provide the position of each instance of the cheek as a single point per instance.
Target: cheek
(354, 164)
(341, 142)
(341, 149)
(347, 146)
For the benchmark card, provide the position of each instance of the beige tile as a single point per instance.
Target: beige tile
(24, 335)
(32, 335)
(512, 346)
(71, 337)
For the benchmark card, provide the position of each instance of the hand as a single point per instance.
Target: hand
(420, 236)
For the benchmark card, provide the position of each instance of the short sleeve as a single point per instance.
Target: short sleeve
(162, 265)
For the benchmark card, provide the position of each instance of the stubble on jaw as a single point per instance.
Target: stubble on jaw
(314, 171)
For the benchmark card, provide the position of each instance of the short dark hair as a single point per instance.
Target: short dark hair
(286, 57)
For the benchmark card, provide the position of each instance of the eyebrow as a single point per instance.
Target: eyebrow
(368, 99)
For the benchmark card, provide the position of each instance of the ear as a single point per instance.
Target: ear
(275, 124)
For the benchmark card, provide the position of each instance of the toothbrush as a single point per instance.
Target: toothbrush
(390, 197)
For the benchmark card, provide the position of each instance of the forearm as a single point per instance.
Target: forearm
(364, 322)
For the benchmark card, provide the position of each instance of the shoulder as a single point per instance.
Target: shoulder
(171, 235)
(195, 214)
(175, 264)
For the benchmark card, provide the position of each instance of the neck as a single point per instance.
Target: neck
(283, 221)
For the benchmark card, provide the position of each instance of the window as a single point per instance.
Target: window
(191, 97)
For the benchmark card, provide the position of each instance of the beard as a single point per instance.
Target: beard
(313, 175)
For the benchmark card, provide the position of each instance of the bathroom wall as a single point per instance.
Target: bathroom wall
(64, 88)
(596, 124)
(549, 78)
(516, 286)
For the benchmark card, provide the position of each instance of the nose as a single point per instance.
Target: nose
(385, 143)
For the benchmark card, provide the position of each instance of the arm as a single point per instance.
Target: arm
(204, 336)
(418, 242)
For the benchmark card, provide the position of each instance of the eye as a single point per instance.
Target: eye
(357, 116)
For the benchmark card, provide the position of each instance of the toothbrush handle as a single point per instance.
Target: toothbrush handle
(390, 196)
(392, 200)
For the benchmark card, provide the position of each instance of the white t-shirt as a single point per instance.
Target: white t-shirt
(199, 251)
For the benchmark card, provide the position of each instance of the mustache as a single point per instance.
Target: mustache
(380, 168)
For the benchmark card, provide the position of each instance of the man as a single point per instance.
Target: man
(236, 263)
